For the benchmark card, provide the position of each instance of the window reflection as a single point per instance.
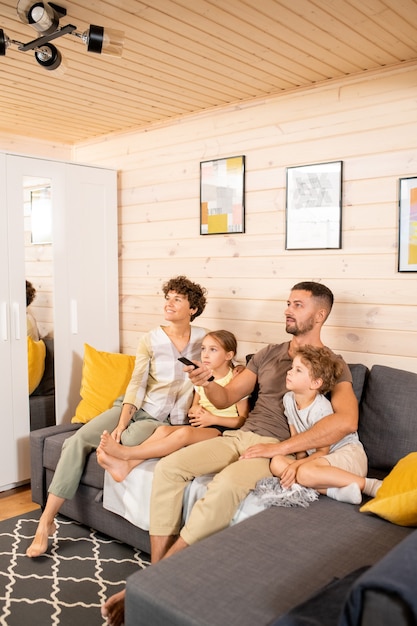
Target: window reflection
(37, 206)
(41, 215)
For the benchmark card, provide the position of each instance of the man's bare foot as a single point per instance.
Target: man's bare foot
(117, 468)
(109, 445)
(39, 544)
(114, 609)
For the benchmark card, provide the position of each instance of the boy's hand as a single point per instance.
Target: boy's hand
(288, 476)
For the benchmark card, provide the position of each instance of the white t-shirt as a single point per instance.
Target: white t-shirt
(304, 419)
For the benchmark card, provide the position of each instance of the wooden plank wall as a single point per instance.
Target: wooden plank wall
(370, 124)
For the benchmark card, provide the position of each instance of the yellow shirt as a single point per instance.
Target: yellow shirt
(231, 411)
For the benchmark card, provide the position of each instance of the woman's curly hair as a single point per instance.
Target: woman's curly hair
(195, 294)
(30, 293)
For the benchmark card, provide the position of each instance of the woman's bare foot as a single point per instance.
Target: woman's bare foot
(109, 445)
(114, 609)
(39, 544)
(117, 468)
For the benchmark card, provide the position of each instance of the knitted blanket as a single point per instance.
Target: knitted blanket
(270, 493)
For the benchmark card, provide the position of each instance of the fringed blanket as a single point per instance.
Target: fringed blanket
(270, 493)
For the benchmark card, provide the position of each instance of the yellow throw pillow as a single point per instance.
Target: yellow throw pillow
(396, 499)
(36, 362)
(105, 377)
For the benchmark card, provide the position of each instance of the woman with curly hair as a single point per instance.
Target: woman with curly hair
(159, 392)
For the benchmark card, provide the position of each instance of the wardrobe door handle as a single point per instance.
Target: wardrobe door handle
(16, 319)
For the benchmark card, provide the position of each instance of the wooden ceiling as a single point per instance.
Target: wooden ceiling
(186, 56)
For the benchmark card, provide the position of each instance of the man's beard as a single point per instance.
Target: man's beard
(300, 329)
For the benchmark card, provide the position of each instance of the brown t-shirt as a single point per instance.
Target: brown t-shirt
(271, 365)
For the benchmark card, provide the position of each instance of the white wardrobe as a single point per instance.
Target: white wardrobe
(85, 291)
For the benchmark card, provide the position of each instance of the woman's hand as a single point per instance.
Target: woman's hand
(117, 433)
(127, 413)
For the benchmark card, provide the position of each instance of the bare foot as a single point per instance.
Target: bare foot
(117, 468)
(109, 445)
(39, 544)
(114, 609)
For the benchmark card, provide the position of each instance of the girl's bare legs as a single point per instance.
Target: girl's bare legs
(46, 526)
(119, 460)
(134, 453)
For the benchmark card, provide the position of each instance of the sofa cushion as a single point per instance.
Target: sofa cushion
(396, 499)
(388, 417)
(105, 377)
(47, 385)
(36, 362)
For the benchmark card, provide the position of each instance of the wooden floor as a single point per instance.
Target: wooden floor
(16, 502)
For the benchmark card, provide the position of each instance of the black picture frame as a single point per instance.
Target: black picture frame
(314, 206)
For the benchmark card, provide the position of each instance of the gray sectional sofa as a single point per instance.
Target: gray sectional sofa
(255, 572)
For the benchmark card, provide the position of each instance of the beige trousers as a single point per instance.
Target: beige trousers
(233, 481)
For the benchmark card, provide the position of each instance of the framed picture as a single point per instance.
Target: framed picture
(407, 241)
(222, 196)
(314, 206)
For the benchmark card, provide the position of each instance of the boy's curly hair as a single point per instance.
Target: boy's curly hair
(195, 294)
(321, 363)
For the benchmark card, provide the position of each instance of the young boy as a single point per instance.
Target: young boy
(338, 471)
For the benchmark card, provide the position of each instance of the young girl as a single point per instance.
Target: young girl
(217, 352)
(339, 470)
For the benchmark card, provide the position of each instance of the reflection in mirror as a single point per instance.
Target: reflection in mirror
(41, 215)
(37, 205)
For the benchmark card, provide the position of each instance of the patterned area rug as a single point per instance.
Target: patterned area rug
(66, 586)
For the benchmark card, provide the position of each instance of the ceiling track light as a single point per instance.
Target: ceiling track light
(44, 17)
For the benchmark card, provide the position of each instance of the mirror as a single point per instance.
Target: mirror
(37, 206)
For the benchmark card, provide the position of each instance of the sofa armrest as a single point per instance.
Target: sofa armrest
(41, 411)
(387, 592)
(382, 608)
(37, 470)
